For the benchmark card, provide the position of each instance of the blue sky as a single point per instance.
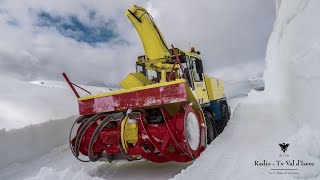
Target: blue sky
(70, 26)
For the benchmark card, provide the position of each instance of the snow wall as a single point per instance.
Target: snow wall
(286, 112)
(24, 103)
(20, 145)
(293, 60)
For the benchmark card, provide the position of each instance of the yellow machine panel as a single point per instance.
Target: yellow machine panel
(135, 80)
(200, 90)
(215, 88)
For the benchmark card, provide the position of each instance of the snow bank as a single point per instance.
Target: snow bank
(242, 88)
(237, 88)
(244, 140)
(19, 145)
(286, 112)
(63, 85)
(23, 103)
(293, 61)
(257, 82)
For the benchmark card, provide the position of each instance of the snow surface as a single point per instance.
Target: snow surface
(243, 87)
(257, 82)
(63, 85)
(286, 112)
(46, 155)
(52, 174)
(38, 148)
(20, 145)
(25, 103)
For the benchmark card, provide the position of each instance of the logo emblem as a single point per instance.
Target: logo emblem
(284, 147)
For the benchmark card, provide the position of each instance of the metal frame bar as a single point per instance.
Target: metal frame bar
(175, 62)
(71, 84)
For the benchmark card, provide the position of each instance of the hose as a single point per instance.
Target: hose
(104, 122)
(83, 129)
(79, 120)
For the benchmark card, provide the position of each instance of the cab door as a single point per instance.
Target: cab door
(199, 87)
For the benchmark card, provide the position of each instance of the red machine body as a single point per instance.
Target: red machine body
(160, 139)
(134, 99)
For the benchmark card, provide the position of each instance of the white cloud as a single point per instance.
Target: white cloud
(227, 33)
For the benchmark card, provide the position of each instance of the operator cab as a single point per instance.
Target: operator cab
(192, 69)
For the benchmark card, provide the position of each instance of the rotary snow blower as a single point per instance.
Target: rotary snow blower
(168, 110)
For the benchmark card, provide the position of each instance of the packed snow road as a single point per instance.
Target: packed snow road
(60, 164)
(41, 159)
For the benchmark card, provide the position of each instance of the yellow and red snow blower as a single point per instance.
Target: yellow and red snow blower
(168, 110)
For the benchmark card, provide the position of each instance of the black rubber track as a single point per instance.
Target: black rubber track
(212, 129)
(225, 113)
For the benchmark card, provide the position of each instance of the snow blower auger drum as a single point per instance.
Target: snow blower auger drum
(151, 134)
(168, 110)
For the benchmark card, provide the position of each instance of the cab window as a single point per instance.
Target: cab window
(197, 69)
(187, 71)
(141, 68)
(154, 76)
